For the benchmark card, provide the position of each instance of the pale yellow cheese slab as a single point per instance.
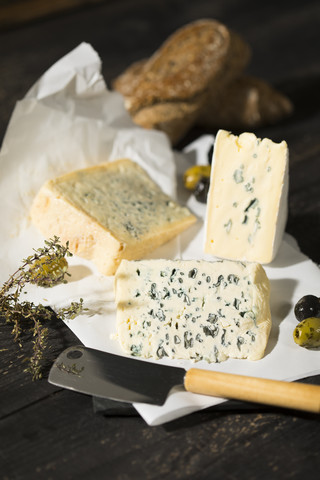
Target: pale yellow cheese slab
(109, 212)
(248, 198)
(192, 310)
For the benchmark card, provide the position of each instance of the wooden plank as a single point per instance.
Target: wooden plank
(61, 437)
(51, 433)
(18, 12)
(17, 388)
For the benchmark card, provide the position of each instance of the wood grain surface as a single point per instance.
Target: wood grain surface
(50, 433)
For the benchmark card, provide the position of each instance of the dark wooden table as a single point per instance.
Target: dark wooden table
(49, 433)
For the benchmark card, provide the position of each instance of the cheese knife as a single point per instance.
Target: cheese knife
(132, 380)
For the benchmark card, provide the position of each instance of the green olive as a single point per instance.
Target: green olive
(307, 333)
(193, 175)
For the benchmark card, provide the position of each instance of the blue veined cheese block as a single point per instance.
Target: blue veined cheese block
(247, 201)
(109, 212)
(195, 310)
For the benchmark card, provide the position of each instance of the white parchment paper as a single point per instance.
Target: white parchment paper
(69, 119)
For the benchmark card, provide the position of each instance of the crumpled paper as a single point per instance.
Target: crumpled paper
(68, 120)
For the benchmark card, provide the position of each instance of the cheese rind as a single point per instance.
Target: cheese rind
(248, 198)
(194, 310)
(109, 212)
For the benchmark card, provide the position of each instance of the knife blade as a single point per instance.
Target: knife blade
(132, 380)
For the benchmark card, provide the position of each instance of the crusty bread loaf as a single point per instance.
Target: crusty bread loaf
(126, 82)
(196, 55)
(168, 90)
(173, 118)
(196, 78)
(109, 212)
(245, 103)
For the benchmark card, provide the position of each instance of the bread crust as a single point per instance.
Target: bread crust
(245, 103)
(197, 77)
(168, 90)
(195, 56)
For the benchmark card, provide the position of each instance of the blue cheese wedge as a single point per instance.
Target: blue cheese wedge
(248, 198)
(109, 212)
(194, 310)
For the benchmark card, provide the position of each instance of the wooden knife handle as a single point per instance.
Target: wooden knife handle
(299, 396)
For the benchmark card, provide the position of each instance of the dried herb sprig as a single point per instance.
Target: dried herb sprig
(46, 267)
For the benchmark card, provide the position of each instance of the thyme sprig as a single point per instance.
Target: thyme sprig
(46, 267)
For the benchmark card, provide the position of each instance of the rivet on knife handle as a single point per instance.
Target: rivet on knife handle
(300, 396)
